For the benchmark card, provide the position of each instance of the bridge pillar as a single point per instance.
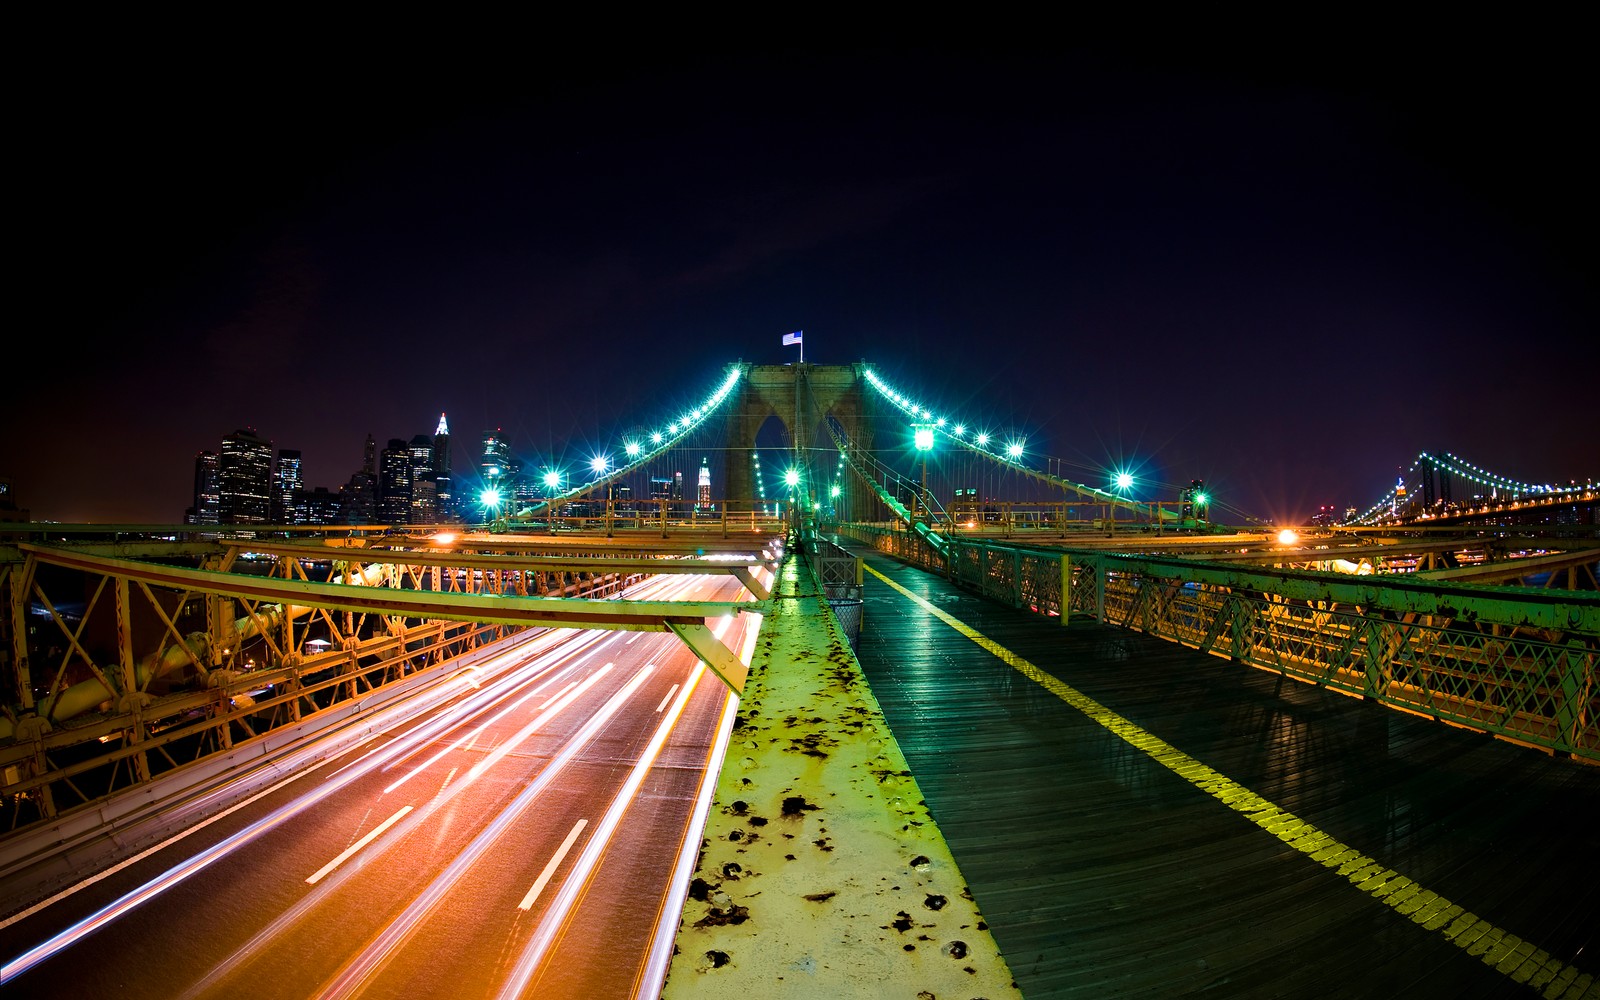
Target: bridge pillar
(801, 397)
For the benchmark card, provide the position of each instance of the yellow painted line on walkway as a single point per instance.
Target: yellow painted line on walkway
(1504, 952)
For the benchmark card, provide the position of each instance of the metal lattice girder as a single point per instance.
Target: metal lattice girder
(1568, 612)
(503, 609)
(717, 656)
(623, 565)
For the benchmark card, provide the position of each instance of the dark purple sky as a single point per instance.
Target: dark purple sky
(1284, 269)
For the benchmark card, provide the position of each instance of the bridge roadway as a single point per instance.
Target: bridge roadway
(1138, 819)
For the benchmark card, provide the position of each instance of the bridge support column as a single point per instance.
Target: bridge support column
(1066, 588)
(20, 579)
(133, 697)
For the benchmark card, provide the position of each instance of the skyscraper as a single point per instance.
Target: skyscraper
(704, 496)
(495, 467)
(286, 485)
(245, 477)
(424, 489)
(394, 483)
(444, 487)
(207, 507)
(360, 495)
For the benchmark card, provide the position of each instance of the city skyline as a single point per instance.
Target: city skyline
(276, 480)
(1285, 272)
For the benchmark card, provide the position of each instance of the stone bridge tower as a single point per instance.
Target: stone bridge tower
(800, 395)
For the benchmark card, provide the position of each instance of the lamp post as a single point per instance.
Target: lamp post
(490, 498)
(923, 439)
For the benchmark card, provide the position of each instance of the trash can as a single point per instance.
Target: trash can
(844, 600)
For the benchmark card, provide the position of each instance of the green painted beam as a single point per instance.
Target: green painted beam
(503, 609)
(1522, 606)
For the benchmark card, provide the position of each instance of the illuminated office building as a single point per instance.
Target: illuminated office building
(286, 484)
(207, 507)
(245, 478)
(394, 483)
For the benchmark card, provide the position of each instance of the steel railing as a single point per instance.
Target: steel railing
(1518, 663)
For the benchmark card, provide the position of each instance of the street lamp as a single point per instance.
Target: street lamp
(923, 439)
(490, 498)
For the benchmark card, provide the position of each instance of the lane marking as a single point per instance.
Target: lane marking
(577, 880)
(672, 691)
(1500, 950)
(550, 869)
(633, 640)
(345, 855)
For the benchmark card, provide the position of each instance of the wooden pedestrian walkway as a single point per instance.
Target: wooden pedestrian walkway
(1137, 819)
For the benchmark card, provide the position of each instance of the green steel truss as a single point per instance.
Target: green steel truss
(1518, 663)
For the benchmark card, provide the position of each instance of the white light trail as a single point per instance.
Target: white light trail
(473, 703)
(473, 736)
(349, 980)
(654, 976)
(577, 879)
(550, 869)
(293, 915)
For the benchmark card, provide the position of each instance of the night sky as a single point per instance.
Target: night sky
(1284, 269)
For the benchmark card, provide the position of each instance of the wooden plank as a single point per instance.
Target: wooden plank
(1103, 873)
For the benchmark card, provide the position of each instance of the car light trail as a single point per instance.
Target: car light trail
(376, 954)
(473, 736)
(499, 753)
(295, 913)
(578, 878)
(654, 975)
(477, 700)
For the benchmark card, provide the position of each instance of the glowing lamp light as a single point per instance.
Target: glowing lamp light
(1201, 499)
(961, 429)
(552, 479)
(1124, 481)
(834, 491)
(792, 477)
(924, 438)
(599, 463)
(983, 440)
(655, 438)
(489, 497)
(444, 538)
(632, 448)
(1014, 449)
(1287, 537)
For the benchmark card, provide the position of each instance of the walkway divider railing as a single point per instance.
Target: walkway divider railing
(1519, 663)
(839, 571)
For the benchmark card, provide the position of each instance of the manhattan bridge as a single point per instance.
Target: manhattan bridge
(897, 709)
